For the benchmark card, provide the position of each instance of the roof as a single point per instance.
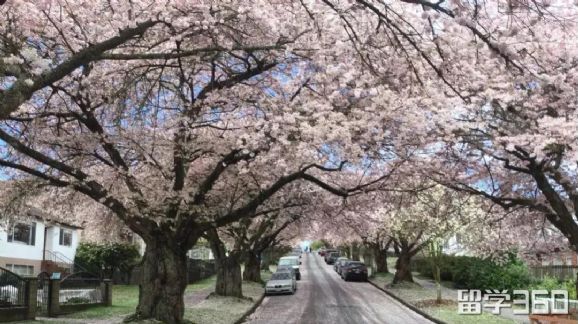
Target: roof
(40, 215)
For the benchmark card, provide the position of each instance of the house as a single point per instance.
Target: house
(454, 246)
(36, 243)
(200, 251)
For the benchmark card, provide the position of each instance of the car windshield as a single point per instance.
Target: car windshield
(355, 263)
(287, 262)
(281, 276)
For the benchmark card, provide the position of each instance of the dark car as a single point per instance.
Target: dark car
(321, 252)
(333, 256)
(338, 263)
(354, 270)
(328, 254)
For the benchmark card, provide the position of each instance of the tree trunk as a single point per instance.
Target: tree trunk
(403, 267)
(354, 252)
(380, 260)
(438, 279)
(229, 282)
(252, 268)
(164, 280)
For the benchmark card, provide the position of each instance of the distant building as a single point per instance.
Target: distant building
(200, 251)
(36, 243)
(454, 246)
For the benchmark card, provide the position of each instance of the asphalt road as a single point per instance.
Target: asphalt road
(323, 297)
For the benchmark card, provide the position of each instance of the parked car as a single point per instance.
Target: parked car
(337, 263)
(354, 270)
(287, 268)
(292, 261)
(321, 252)
(295, 254)
(333, 256)
(281, 283)
(328, 254)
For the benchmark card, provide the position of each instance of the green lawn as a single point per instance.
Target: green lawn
(124, 301)
(212, 310)
(202, 284)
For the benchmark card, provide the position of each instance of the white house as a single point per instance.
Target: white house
(454, 246)
(37, 243)
(199, 251)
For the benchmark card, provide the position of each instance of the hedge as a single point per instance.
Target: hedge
(476, 273)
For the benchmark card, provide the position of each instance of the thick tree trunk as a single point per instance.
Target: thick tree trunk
(229, 282)
(164, 279)
(403, 267)
(380, 260)
(252, 270)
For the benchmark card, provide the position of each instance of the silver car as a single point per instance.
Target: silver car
(281, 283)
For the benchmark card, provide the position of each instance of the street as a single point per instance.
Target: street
(323, 297)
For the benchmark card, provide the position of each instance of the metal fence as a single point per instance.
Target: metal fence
(81, 288)
(560, 272)
(12, 290)
(42, 293)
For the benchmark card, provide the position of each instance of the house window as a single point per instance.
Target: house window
(21, 270)
(65, 237)
(23, 233)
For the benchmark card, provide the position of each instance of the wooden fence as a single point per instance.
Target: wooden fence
(560, 272)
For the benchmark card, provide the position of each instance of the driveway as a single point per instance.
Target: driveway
(323, 297)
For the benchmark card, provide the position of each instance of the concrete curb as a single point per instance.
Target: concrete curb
(406, 304)
(251, 310)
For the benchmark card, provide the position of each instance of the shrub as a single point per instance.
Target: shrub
(316, 245)
(77, 300)
(476, 273)
(103, 259)
(551, 283)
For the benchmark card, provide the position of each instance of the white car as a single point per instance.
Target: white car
(292, 261)
(281, 283)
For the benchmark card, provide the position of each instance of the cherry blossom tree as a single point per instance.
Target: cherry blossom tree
(152, 108)
(157, 128)
(244, 241)
(515, 141)
(408, 220)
